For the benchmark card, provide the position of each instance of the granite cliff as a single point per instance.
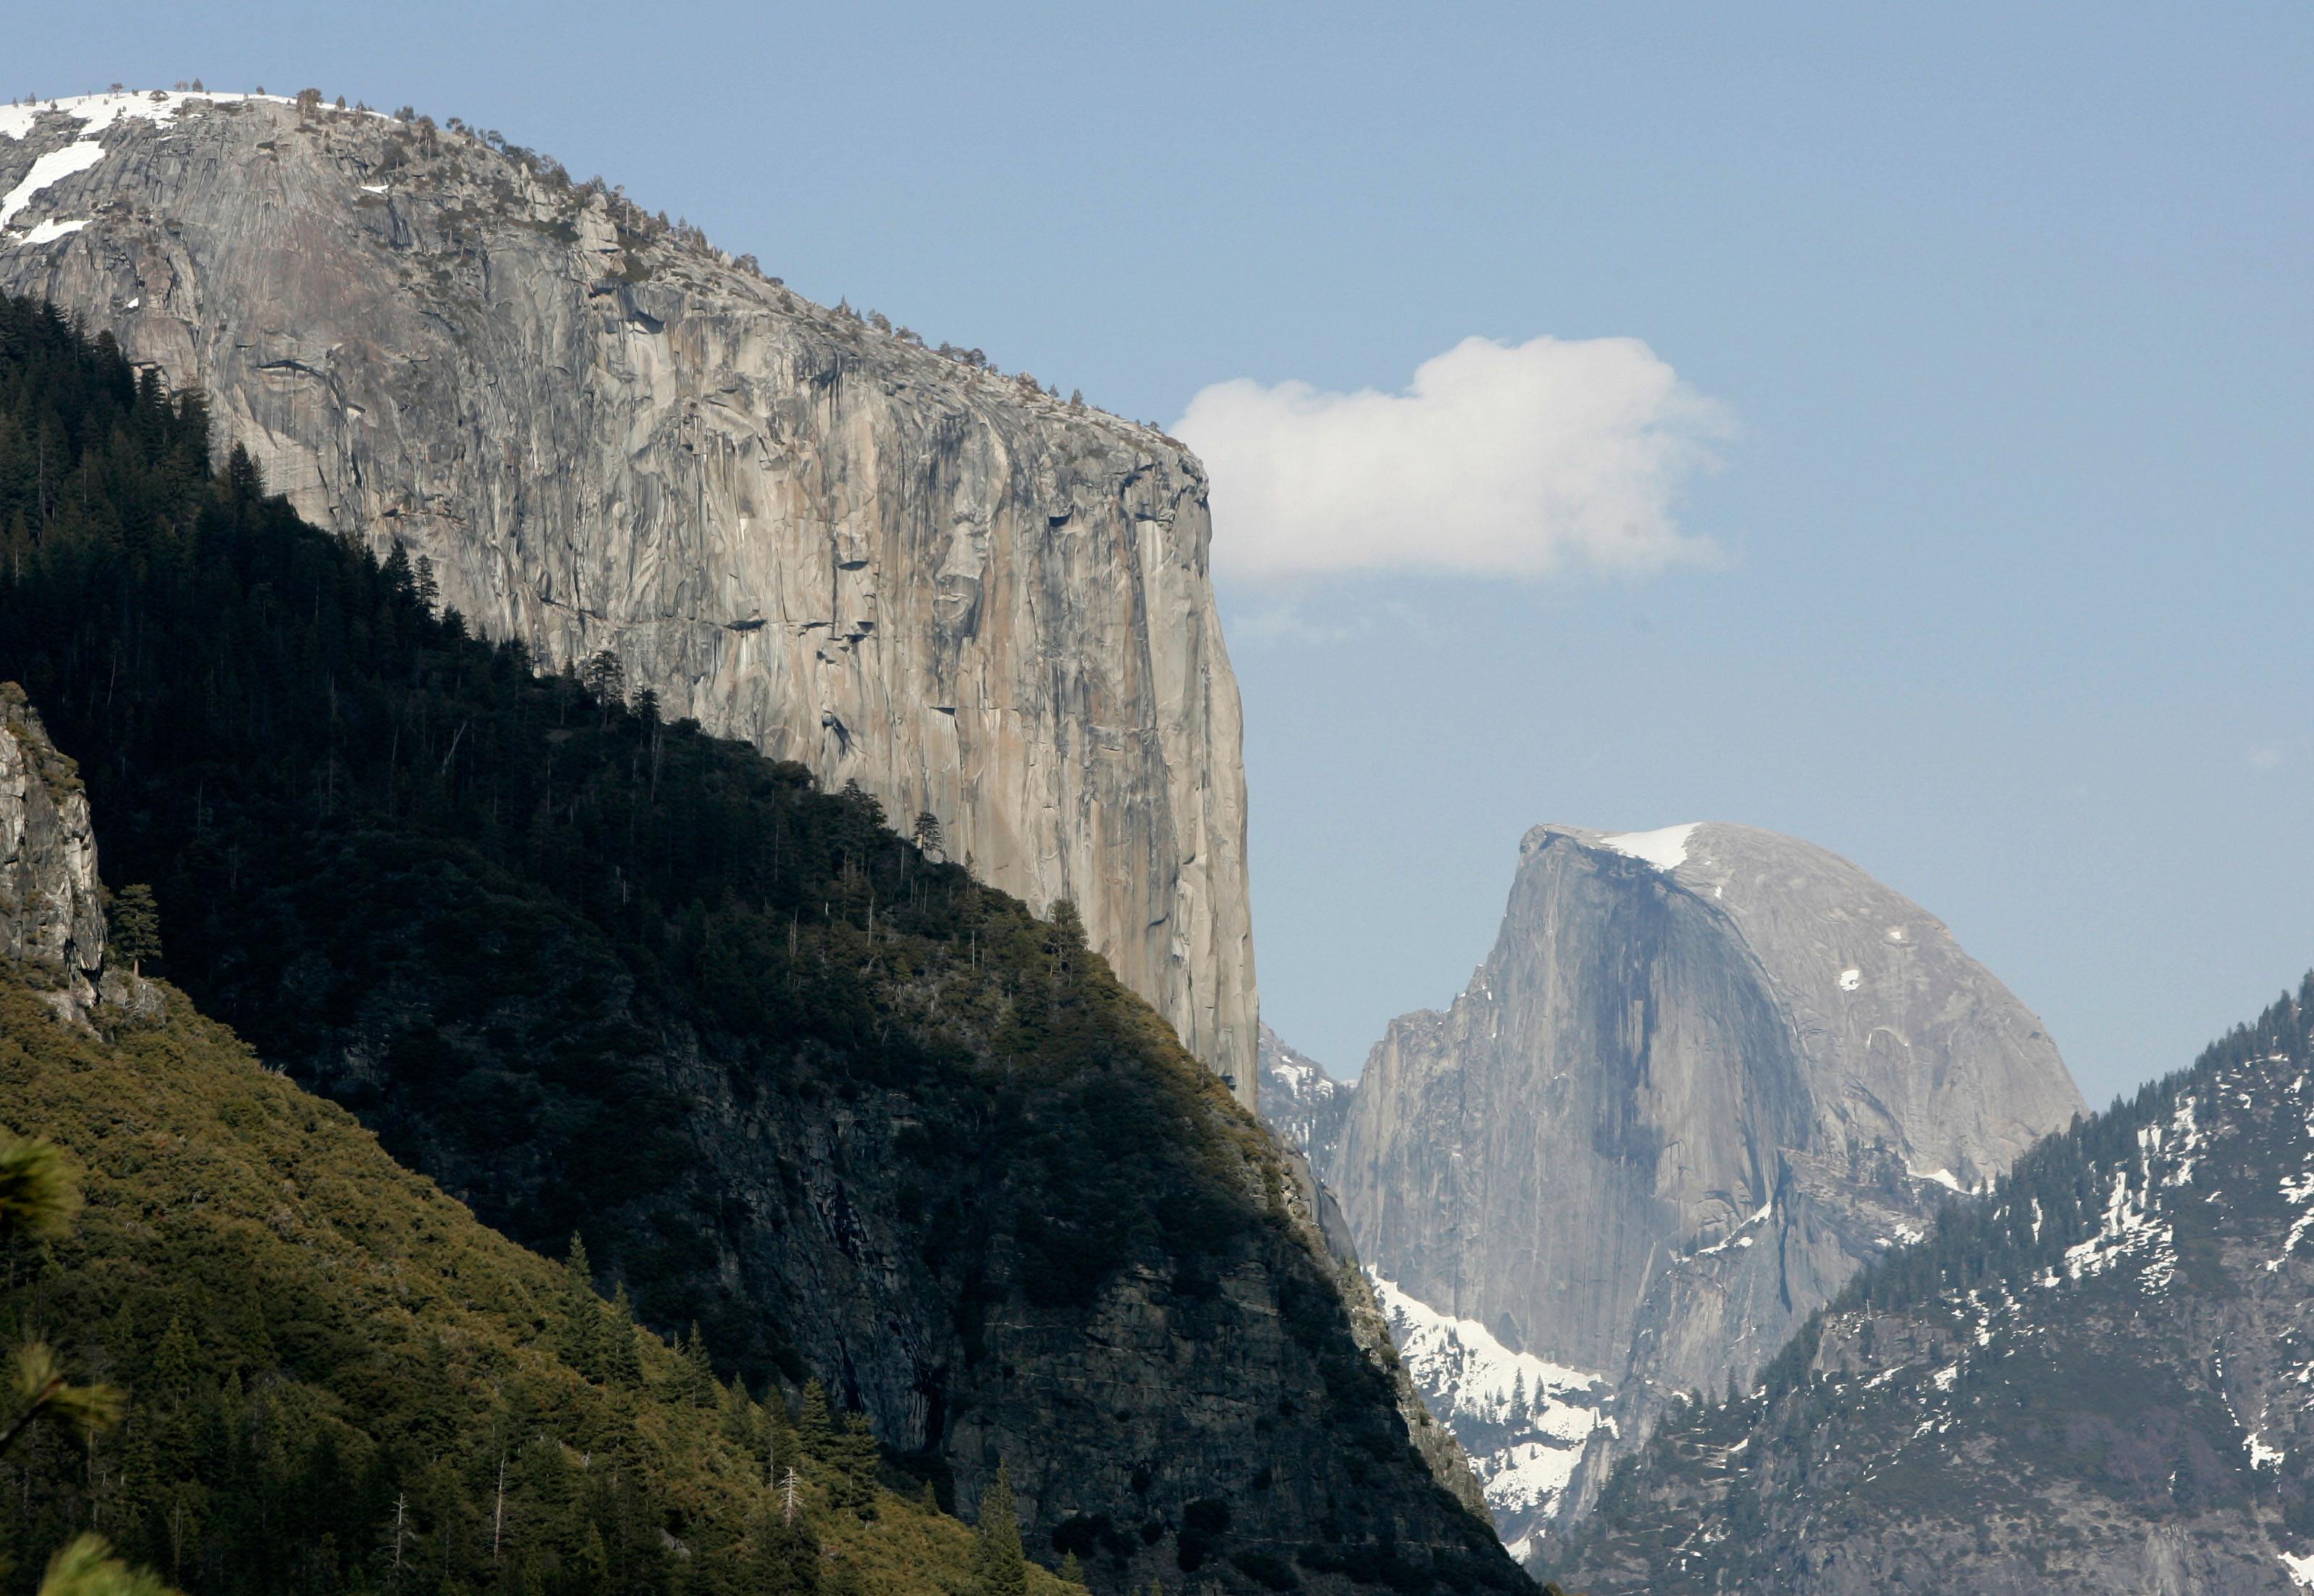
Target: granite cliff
(1704, 1076)
(890, 564)
(51, 903)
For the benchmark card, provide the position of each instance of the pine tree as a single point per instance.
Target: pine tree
(580, 1342)
(38, 1201)
(857, 1460)
(741, 1421)
(1072, 1571)
(396, 570)
(38, 1197)
(1067, 937)
(87, 1567)
(606, 678)
(816, 1428)
(776, 1436)
(998, 1567)
(694, 1376)
(135, 926)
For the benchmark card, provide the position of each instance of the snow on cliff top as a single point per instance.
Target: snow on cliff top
(96, 112)
(1666, 848)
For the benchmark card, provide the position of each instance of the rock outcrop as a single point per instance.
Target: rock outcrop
(1705, 1075)
(893, 565)
(51, 906)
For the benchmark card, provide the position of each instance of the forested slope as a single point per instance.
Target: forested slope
(2094, 1378)
(339, 1380)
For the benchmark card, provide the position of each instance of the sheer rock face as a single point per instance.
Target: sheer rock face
(51, 907)
(892, 566)
(1704, 1076)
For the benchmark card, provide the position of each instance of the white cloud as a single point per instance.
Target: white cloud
(1501, 459)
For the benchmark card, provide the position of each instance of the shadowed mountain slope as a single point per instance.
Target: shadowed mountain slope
(791, 1075)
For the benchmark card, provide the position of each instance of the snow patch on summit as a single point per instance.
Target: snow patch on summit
(1666, 848)
(51, 168)
(94, 113)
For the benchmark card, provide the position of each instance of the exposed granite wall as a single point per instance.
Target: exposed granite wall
(893, 565)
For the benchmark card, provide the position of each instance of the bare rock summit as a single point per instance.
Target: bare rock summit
(1706, 1075)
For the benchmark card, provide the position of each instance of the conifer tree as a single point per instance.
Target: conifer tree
(816, 1428)
(135, 926)
(38, 1198)
(998, 1567)
(695, 1380)
(396, 570)
(580, 1341)
(87, 1567)
(1072, 1570)
(857, 1458)
(38, 1201)
(777, 1440)
(742, 1423)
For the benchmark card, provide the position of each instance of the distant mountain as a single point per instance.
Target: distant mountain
(2094, 1378)
(1302, 1103)
(1705, 1075)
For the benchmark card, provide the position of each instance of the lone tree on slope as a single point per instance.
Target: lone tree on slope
(135, 926)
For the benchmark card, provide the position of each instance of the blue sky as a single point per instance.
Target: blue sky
(2005, 311)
